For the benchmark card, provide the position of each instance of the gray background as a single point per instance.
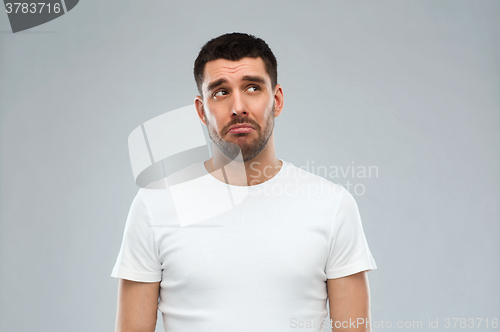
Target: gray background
(411, 87)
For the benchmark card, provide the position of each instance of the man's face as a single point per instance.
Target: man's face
(235, 93)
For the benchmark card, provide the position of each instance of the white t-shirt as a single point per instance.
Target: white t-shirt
(258, 262)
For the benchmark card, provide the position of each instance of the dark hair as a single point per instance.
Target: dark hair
(235, 46)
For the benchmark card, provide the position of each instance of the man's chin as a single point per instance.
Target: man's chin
(245, 152)
(241, 142)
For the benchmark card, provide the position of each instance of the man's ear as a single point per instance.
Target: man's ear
(278, 100)
(200, 110)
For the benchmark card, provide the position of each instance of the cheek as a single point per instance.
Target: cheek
(266, 111)
(260, 108)
(213, 122)
(214, 116)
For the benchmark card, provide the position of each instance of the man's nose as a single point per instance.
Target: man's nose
(239, 106)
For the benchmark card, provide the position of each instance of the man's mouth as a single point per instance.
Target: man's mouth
(240, 129)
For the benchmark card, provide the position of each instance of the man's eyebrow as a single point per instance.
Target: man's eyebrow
(257, 79)
(215, 84)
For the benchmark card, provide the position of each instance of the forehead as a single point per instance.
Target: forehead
(234, 70)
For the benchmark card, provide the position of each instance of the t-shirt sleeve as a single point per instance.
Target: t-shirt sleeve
(348, 251)
(138, 259)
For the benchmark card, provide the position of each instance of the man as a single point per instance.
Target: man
(292, 241)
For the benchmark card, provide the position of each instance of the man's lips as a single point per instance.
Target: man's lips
(239, 129)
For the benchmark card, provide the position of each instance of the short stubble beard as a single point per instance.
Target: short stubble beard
(231, 150)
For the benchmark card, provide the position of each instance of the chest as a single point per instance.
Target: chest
(284, 248)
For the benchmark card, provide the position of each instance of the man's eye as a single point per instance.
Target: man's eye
(218, 93)
(254, 87)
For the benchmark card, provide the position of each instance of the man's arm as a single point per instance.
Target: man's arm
(349, 299)
(137, 306)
